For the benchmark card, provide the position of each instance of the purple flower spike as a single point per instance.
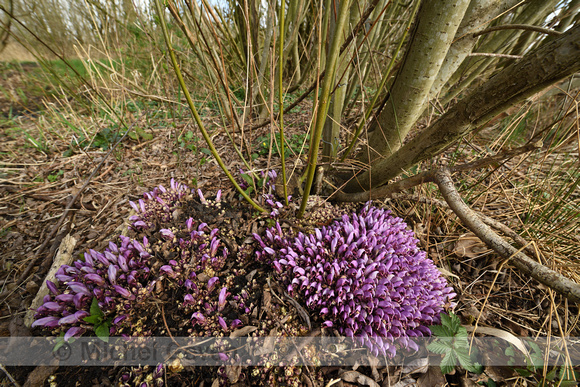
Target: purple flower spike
(214, 246)
(222, 298)
(97, 279)
(89, 259)
(112, 273)
(124, 292)
(167, 234)
(168, 270)
(48, 322)
(73, 332)
(211, 283)
(223, 356)
(189, 224)
(198, 317)
(236, 323)
(132, 204)
(222, 323)
(68, 298)
(52, 287)
(119, 319)
(201, 198)
(188, 299)
(122, 261)
(78, 300)
(54, 306)
(78, 288)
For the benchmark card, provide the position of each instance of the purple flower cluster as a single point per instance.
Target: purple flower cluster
(117, 278)
(188, 260)
(193, 270)
(365, 274)
(158, 204)
(269, 198)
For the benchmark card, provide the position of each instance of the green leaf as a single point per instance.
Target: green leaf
(523, 372)
(568, 373)
(95, 310)
(102, 332)
(509, 351)
(489, 383)
(93, 319)
(440, 331)
(438, 347)
(551, 375)
(448, 362)
(247, 178)
(59, 342)
(144, 135)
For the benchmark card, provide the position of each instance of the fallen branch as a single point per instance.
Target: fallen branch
(525, 245)
(528, 266)
(428, 176)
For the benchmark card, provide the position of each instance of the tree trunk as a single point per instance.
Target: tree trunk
(436, 25)
(539, 69)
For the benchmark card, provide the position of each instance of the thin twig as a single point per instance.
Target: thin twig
(316, 82)
(527, 27)
(428, 176)
(491, 54)
(525, 264)
(14, 382)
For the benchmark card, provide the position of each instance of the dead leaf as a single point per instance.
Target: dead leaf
(432, 378)
(357, 377)
(39, 375)
(407, 382)
(243, 331)
(507, 336)
(416, 366)
(469, 246)
(233, 373)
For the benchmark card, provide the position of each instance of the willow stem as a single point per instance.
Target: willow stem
(204, 132)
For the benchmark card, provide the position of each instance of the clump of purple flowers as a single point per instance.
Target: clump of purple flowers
(193, 271)
(118, 278)
(268, 181)
(157, 204)
(365, 274)
(188, 259)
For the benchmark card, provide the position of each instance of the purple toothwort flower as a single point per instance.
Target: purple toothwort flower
(222, 299)
(211, 283)
(365, 274)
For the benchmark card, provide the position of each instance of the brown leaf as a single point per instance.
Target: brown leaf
(233, 373)
(432, 378)
(357, 377)
(469, 246)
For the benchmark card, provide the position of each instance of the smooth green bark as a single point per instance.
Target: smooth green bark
(436, 25)
(537, 70)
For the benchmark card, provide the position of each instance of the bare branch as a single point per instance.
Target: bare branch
(519, 27)
(428, 176)
(494, 55)
(525, 264)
